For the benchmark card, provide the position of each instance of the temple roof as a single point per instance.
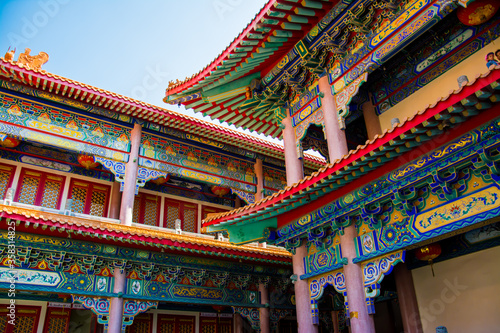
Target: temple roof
(219, 89)
(364, 163)
(114, 232)
(280, 53)
(83, 94)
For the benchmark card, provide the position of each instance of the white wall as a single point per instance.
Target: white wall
(464, 295)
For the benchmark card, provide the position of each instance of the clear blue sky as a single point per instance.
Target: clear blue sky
(126, 46)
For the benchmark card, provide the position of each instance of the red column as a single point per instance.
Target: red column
(302, 296)
(337, 147)
(126, 210)
(294, 173)
(116, 198)
(293, 165)
(260, 179)
(116, 304)
(407, 299)
(361, 321)
(264, 312)
(238, 323)
(127, 207)
(335, 137)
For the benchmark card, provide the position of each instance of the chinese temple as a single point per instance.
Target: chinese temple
(399, 232)
(102, 199)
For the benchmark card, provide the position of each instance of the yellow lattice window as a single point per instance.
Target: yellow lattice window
(172, 213)
(6, 173)
(146, 209)
(57, 325)
(166, 324)
(137, 209)
(185, 211)
(190, 218)
(142, 324)
(40, 189)
(89, 198)
(29, 189)
(51, 193)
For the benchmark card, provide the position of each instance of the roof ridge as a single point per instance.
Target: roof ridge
(221, 128)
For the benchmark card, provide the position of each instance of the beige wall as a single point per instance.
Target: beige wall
(471, 67)
(464, 295)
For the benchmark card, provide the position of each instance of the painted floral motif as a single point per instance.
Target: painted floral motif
(463, 207)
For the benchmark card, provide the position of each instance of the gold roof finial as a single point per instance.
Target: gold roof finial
(32, 62)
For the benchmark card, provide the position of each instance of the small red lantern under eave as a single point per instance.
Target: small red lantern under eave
(161, 180)
(219, 190)
(87, 162)
(428, 253)
(9, 142)
(478, 12)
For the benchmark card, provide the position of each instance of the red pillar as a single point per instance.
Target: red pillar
(238, 323)
(335, 137)
(302, 296)
(337, 147)
(294, 173)
(128, 195)
(116, 198)
(407, 299)
(293, 165)
(126, 210)
(260, 179)
(361, 321)
(116, 303)
(264, 312)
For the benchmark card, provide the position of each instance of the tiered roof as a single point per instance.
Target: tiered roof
(219, 90)
(480, 96)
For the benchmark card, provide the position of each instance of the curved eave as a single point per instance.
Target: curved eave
(277, 27)
(117, 233)
(335, 179)
(87, 94)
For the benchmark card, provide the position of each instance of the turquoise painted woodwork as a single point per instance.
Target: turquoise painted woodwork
(249, 232)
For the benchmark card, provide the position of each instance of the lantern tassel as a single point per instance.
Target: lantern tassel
(432, 268)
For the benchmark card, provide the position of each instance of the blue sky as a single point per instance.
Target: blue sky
(129, 47)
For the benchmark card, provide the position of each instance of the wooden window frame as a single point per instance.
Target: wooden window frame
(4, 167)
(142, 207)
(41, 186)
(181, 212)
(88, 199)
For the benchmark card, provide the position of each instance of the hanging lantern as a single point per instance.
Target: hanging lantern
(478, 12)
(218, 308)
(219, 190)
(161, 180)
(428, 253)
(10, 142)
(87, 162)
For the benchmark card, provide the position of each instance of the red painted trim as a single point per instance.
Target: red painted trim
(407, 157)
(384, 140)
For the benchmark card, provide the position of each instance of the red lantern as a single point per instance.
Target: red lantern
(161, 180)
(478, 12)
(428, 253)
(219, 190)
(87, 162)
(9, 142)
